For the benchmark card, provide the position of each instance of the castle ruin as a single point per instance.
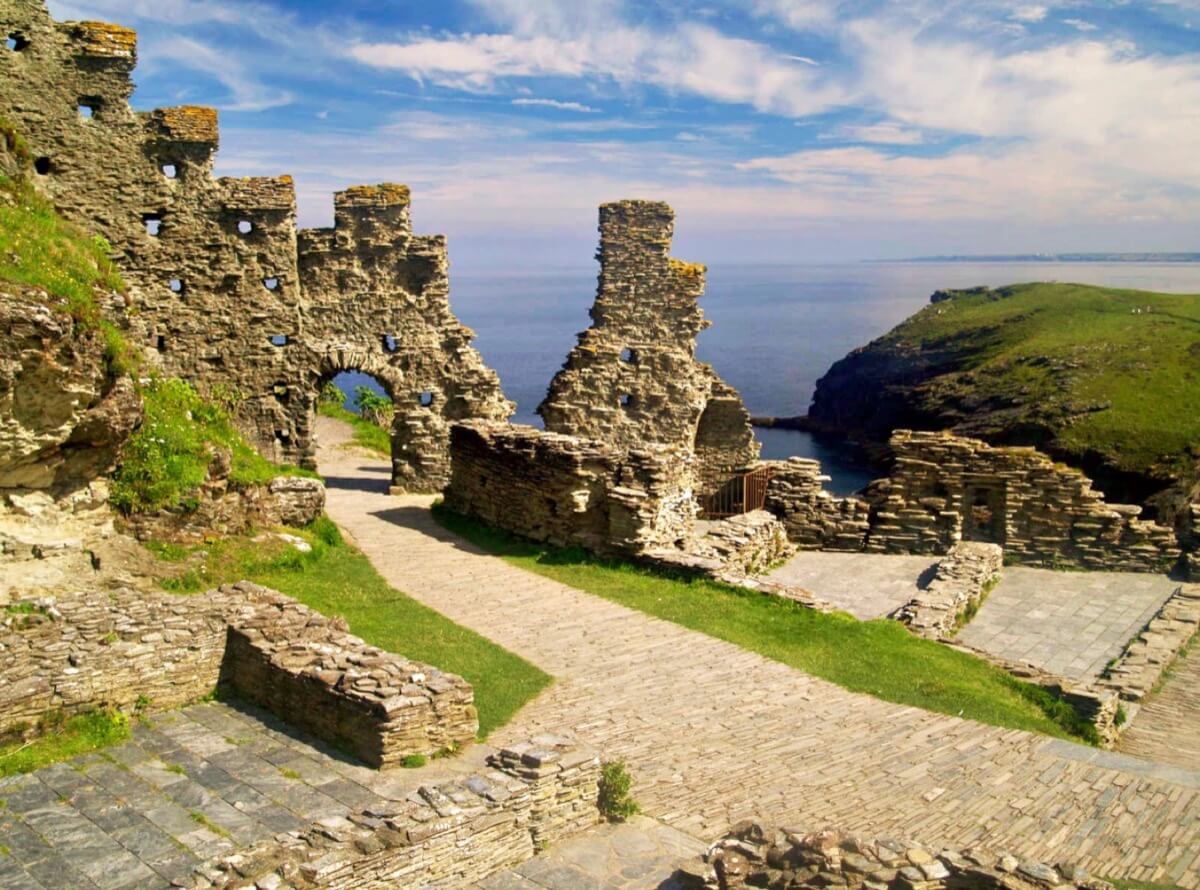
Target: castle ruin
(633, 379)
(223, 291)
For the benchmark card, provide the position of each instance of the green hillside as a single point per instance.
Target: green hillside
(1097, 375)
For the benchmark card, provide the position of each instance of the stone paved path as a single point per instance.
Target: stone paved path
(713, 733)
(867, 585)
(1167, 727)
(189, 785)
(1068, 623)
(639, 854)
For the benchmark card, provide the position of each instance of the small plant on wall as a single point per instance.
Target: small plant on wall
(372, 406)
(615, 802)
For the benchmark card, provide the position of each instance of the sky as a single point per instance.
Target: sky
(780, 130)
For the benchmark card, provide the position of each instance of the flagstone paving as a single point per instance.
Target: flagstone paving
(867, 585)
(713, 733)
(1068, 623)
(189, 785)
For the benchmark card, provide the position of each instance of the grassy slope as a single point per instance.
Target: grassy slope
(336, 579)
(880, 658)
(1096, 350)
(64, 739)
(166, 461)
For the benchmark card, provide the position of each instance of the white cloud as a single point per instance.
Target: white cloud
(246, 92)
(1029, 14)
(882, 134)
(1080, 24)
(555, 103)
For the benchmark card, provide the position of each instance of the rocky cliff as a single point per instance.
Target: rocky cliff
(1105, 380)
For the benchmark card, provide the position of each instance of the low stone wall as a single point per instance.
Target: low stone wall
(568, 491)
(129, 649)
(447, 836)
(752, 855)
(1190, 541)
(1140, 666)
(306, 668)
(749, 543)
(960, 581)
(814, 518)
(224, 510)
(946, 488)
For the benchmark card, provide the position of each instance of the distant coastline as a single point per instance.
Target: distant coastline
(1052, 258)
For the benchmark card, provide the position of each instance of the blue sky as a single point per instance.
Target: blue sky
(781, 130)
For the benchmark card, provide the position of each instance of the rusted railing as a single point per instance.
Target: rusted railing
(744, 492)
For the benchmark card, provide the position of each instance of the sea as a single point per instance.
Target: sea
(775, 328)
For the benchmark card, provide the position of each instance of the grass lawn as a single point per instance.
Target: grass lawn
(64, 739)
(880, 658)
(369, 435)
(336, 579)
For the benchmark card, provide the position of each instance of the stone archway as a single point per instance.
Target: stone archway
(342, 358)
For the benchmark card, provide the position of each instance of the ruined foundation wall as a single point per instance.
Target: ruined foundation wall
(945, 488)
(212, 264)
(441, 837)
(634, 378)
(814, 518)
(122, 649)
(569, 491)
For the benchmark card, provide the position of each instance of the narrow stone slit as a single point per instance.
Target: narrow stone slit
(245, 227)
(426, 399)
(169, 170)
(16, 42)
(271, 284)
(176, 285)
(390, 343)
(279, 340)
(42, 166)
(153, 223)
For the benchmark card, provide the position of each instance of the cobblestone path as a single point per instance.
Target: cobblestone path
(1167, 727)
(713, 733)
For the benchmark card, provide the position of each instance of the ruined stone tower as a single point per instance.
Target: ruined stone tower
(219, 293)
(634, 378)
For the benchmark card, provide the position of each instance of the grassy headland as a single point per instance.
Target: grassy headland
(1106, 379)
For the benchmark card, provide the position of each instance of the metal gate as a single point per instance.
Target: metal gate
(744, 492)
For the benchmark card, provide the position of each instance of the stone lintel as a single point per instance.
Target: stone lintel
(105, 41)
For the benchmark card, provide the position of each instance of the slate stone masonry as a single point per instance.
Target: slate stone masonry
(133, 650)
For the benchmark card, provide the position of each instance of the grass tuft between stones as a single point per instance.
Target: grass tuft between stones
(336, 579)
(62, 738)
(879, 658)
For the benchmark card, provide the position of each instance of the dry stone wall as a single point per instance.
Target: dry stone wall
(77, 654)
(945, 488)
(754, 855)
(222, 296)
(814, 518)
(960, 582)
(633, 378)
(570, 491)
(441, 837)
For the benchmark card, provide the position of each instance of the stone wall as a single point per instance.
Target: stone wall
(120, 650)
(945, 488)
(442, 837)
(570, 491)
(223, 299)
(225, 510)
(754, 855)
(960, 582)
(633, 378)
(1134, 675)
(814, 518)
(1190, 541)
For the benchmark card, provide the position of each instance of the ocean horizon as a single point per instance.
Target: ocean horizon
(775, 328)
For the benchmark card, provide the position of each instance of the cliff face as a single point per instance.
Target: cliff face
(1105, 380)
